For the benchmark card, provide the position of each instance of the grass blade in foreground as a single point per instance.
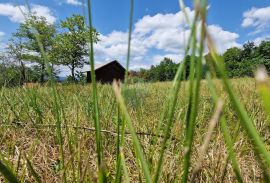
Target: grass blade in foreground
(264, 90)
(168, 112)
(7, 173)
(203, 149)
(247, 123)
(121, 141)
(137, 145)
(52, 83)
(226, 133)
(94, 86)
(194, 91)
(129, 40)
(32, 170)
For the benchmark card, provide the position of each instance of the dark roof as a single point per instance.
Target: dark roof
(108, 73)
(108, 64)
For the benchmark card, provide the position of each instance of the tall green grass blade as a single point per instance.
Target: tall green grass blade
(7, 173)
(168, 118)
(207, 138)
(226, 133)
(32, 170)
(70, 147)
(121, 141)
(118, 146)
(170, 106)
(246, 122)
(18, 163)
(33, 103)
(129, 40)
(200, 8)
(94, 88)
(125, 170)
(136, 143)
(52, 83)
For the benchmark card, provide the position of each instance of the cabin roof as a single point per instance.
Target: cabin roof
(100, 66)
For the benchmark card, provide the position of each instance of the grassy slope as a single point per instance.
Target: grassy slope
(27, 110)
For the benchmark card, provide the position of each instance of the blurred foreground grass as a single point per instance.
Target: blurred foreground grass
(28, 130)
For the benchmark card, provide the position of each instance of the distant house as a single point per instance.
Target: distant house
(108, 72)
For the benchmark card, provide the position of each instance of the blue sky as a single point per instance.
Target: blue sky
(159, 28)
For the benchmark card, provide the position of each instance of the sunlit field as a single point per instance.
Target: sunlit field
(199, 125)
(28, 130)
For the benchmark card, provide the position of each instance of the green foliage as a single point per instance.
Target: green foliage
(11, 75)
(70, 45)
(15, 54)
(244, 61)
(8, 174)
(165, 71)
(27, 34)
(240, 62)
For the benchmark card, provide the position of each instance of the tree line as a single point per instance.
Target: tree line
(65, 44)
(240, 62)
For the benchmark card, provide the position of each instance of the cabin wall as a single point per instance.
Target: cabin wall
(108, 73)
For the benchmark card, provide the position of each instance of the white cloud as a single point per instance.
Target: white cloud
(174, 57)
(14, 13)
(74, 2)
(2, 34)
(223, 39)
(162, 22)
(257, 41)
(156, 37)
(258, 18)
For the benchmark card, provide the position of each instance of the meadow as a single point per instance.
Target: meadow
(29, 135)
(196, 128)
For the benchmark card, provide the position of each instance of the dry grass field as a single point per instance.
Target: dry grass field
(28, 131)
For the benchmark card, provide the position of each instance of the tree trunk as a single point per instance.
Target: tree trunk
(73, 73)
(23, 79)
(42, 76)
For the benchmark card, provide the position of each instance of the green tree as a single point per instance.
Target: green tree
(232, 58)
(210, 65)
(15, 54)
(10, 72)
(249, 49)
(264, 49)
(165, 71)
(263, 54)
(27, 32)
(70, 45)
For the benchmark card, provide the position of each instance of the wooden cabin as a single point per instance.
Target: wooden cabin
(108, 72)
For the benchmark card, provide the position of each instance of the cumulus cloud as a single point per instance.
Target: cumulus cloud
(1, 34)
(257, 41)
(258, 18)
(155, 37)
(14, 13)
(74, 2)
(174, 57)
(162, 22)
(223, 39)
